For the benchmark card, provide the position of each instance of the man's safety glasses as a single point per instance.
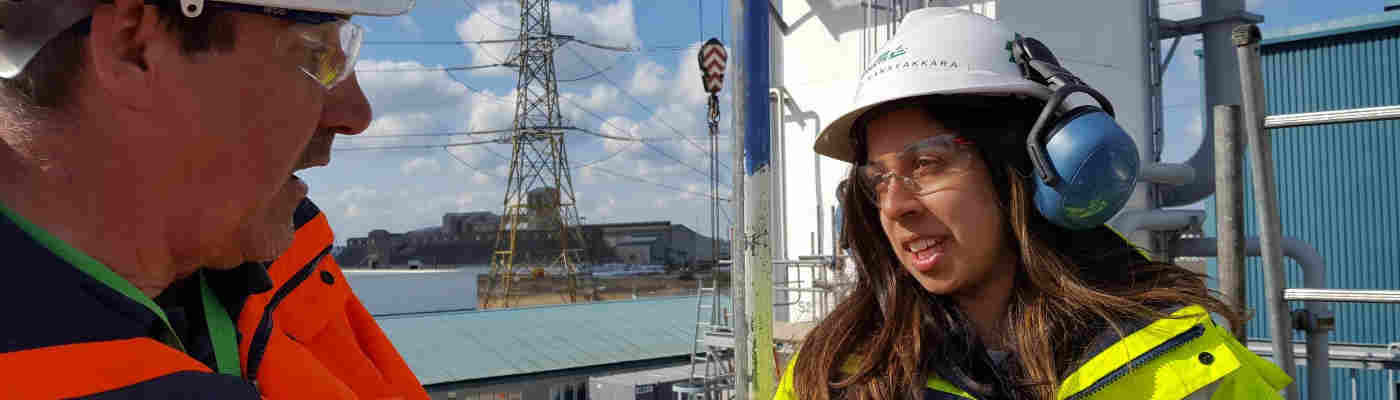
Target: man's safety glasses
(923, 167)
(326, 45)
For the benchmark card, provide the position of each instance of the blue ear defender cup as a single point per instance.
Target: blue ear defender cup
(1086, 165)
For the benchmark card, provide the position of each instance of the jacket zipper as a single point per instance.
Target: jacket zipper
(264, 332)
(1140, 360)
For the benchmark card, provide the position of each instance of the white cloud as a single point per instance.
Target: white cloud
(420, 166)
(649, 79)
(408, 24)
(608, 23)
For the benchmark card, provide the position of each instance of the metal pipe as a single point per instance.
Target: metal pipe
(738, 279)
(1167, 173)
(1219, 85)
(1157, 220)
(1229, 210)
(1342, 295)
(1332, 117)
(758, 185)
(1261, 168)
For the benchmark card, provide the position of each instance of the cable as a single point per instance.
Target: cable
(414, 147)
(600, 46)
(608, 157)
(649, 110)
(488, 17)
(436, 134)
(431, 69)
(489, 95)
(595, 73)
(464, 162)
(438, 42)
(653, 147)
(624, 176)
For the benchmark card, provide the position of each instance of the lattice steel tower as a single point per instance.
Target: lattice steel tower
(539, 199)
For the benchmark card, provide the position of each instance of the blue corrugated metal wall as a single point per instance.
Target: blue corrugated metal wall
(1338, 185)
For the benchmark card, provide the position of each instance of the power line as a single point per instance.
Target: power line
(488, 17)
(648, 109)
(653, 147)
(662, 185)
(438, 42)
(464, 162)
(432, 69)
(434, 134)
(416, 147)
(595, 73)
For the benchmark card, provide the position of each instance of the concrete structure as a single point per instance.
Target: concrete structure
(1336, 183)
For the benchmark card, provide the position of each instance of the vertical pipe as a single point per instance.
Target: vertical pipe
(737, 272)
(1261, 168)
(1229, 209)
(758, 185)
(1352, 373)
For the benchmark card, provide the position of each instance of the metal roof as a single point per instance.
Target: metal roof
(1331, 27)
(459, 346)
(388, 292)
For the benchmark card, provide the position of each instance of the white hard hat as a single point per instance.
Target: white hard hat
(937, 50)
(26, 25)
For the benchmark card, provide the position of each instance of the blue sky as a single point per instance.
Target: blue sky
(651, 93)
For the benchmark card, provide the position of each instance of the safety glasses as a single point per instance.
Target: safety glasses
(923, 167)
(326, 46)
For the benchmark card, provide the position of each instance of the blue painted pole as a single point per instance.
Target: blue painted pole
(757, 200)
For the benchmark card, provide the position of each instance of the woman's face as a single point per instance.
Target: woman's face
(943, 222)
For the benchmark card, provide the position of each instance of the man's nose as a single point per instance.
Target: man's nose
(347, 110)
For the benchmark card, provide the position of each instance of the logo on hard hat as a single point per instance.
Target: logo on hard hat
(926, 63)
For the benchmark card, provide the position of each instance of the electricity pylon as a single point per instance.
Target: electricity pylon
(539, 203)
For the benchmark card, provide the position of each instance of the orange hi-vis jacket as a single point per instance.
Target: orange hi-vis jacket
(291, 329)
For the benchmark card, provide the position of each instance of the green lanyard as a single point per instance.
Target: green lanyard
(221, 331)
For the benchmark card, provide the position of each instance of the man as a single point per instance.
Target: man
(147, 151)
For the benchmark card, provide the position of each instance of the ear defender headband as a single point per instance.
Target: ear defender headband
(1086, 165)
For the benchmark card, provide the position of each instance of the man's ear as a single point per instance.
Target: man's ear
(120, 49)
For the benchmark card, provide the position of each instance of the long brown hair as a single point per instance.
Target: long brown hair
(884, 339)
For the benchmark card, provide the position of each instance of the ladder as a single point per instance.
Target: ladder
(1315, 321)
(712, 353)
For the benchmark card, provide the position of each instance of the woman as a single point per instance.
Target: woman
(966, 287)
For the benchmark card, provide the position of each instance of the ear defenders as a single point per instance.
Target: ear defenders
(1086, 165)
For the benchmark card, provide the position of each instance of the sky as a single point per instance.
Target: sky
(652, 93)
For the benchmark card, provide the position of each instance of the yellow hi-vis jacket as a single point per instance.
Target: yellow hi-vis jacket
(1186, 356)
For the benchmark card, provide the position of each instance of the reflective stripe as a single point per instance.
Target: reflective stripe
(73, 370)
(939, 385)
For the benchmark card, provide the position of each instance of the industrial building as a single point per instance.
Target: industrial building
(469, 238)
(542, 352)
(1335, 182)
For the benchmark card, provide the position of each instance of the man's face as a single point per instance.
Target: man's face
(238, 123)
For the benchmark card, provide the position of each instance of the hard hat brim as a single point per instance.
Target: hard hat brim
(27, 26)
(835, 140)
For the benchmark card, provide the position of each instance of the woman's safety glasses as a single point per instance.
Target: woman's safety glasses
(923, 167)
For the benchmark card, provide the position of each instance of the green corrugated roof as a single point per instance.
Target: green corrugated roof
(1331, 27)
(458, 346)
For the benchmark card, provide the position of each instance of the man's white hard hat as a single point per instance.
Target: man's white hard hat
(937, 50)
(26, 25)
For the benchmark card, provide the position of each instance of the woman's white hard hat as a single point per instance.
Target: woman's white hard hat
(26, 25)
(937, 50)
